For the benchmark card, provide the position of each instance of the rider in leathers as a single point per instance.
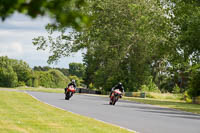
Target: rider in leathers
(72, 83)
(118, 86)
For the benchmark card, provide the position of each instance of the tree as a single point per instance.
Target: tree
(52, 79)
(123, 40)
(133, 41)
(194, 83)
(23, 71)
(63, 12)
(8, 78)
(188, 25)
(76, 69)
(185, 16)
(65, 71)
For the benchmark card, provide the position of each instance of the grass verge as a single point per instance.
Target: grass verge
(179, 105)
(20, 113)
(40, 89)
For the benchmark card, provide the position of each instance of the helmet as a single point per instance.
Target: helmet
(120, 84)
(73, 81)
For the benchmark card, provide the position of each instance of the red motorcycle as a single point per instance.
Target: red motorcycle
(116, 94)
(69, 92)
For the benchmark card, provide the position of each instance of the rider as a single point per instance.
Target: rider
(118, 86)
(72, 83)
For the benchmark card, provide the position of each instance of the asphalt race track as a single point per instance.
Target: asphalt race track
(142, 118)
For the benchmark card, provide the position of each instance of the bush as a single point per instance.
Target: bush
(51, 79)
(91, 87)
(151, 87)
(58, 78)
(187, 97)
(21, 83)
(144, 88)
(176, 89)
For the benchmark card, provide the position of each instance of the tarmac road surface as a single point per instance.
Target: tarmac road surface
(142, 118)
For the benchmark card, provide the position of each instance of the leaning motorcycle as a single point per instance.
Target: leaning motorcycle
(116, 94)
(69, 92)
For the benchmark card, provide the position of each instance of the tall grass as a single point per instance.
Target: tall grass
(165, 96)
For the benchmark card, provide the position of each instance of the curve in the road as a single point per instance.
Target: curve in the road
(143, 118)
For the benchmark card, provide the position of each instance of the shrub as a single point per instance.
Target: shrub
(91, 87)
(150, 87)
(176, 89)
(21, 83)
(51, 79)
(144, 88)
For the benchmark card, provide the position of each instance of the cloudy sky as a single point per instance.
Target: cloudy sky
(16, 34)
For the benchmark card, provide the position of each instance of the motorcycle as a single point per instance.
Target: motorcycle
(116, 94)
(69, 92)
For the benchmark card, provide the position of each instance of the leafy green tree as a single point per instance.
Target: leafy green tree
(39, 68)
(35, 80)
(132, 41)
(59, 79)
(52, 79)
(123, 40)
(8, 78)
(188, 25)
(186, 53)
(194, 83)
(65, 71)
(23, 71)
(63, 12)
(76, 69)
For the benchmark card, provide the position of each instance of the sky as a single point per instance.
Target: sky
(16, 34)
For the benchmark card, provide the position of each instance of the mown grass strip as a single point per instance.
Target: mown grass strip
(179, 105)
(50, 90)
(20, 113)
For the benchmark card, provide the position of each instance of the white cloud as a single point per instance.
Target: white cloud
(14, 49)
(16, 35)
(17, 47)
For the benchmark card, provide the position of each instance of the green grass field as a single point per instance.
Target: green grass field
(175, 104)
(20, 113)
(40, 89)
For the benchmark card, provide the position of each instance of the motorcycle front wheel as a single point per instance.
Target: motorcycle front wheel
(67, 96)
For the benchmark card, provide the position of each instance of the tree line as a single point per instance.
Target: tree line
(147, 45)
(14, 73)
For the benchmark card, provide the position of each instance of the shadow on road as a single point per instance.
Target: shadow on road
(185, 117)
(159, 110)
